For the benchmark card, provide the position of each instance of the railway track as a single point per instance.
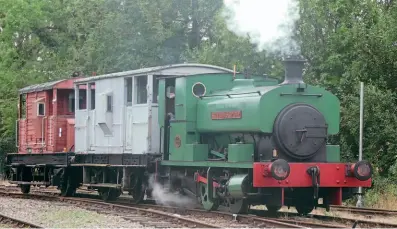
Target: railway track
(351, 220)
(12, 222)
(257, 221)
(257, 218)
(372, 211)
(146, 217)
(172, 216)
(343, 220)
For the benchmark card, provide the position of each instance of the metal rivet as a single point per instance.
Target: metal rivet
(337, 181)
(337, 167)
(345, 181)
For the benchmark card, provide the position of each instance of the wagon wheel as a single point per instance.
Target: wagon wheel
(25, 188)
(149, 193)
(109, 194)
(67, 190)
(67, 187)
(138, 193)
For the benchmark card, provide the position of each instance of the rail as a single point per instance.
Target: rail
(7, 220)
(371, 211)
(172, 218)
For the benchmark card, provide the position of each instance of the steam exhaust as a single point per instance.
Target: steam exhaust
(163, 196)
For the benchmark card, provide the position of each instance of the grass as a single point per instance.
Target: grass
(382, 196)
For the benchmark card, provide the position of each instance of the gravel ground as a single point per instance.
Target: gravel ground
(59, 215)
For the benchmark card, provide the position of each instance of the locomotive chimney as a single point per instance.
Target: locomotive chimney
(293, 69)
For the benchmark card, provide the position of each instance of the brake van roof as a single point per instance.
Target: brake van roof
(60, 84)
(176, 70)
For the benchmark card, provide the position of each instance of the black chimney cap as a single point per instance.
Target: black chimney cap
(294, 65)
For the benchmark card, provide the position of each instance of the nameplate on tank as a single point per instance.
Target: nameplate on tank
(226, 115)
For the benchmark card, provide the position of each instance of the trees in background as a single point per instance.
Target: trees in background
(345, 41)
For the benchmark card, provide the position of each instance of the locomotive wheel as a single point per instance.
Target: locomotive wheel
(207, 204)
(304, 210)
(25, 188)
(109, 194)
(272, 208)
(240, 206)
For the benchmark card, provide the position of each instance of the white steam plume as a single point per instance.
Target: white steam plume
(162, 196)
(269, 23)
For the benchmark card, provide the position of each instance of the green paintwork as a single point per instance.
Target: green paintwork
(259, 111)
(261, 81)
(213, 152)
(161, 103)
(189, 150)
(235, 186)
(333, 153)
(218, 164)
(260, 100)
(196, 152)
(240, 152)
(186, 103)
(186, 108)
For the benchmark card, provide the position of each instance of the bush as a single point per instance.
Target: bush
(382, 194)
(6, 146)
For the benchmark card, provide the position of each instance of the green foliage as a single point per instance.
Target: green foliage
(7, 145)
(382, 195)
(347, 42)
(379, 129)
